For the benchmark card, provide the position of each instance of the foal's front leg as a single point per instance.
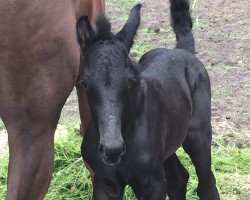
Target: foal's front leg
(154, 189)
(176, 177)
(107, 188)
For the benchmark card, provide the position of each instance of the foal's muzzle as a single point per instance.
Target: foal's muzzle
(112, 155)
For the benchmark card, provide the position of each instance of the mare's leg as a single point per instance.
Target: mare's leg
(84, 109)
(198, 144)
(176, 178)
(107, 188)
(31, 157)
(30, 106)
(154, 189)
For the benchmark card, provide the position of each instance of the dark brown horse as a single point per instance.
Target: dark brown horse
(39, 64)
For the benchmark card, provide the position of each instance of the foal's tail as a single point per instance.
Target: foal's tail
(182, 25)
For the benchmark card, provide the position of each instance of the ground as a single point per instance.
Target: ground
(222, 35)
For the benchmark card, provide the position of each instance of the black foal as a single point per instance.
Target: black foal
(142, 113)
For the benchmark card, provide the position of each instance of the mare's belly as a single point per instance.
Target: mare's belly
(35, 31)
(39, 54)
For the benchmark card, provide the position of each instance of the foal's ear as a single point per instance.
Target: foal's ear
(85, 33)
(129, 30)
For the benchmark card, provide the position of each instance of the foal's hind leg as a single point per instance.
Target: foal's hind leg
(176, 177)
(198, 145)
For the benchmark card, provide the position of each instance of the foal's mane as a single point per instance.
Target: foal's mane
(104, 29)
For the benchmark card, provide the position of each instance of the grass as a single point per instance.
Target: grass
(227, 68)
(121, 7)
(247, 88)
(1, 124)
(71, 179)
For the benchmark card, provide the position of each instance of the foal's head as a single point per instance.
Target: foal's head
(108, 77)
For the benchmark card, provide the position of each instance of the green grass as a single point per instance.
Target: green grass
(247, 89)
(1, 124)
(139, 49)
(226, 68)
(71, 179)
(3, 175)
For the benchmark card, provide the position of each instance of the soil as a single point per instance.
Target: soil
(222, 35)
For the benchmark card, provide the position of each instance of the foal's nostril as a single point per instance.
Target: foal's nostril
(101, 149)
(113, 158)
(112, 155)
(123, 149)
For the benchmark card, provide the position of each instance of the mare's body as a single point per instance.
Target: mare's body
(39, 64)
